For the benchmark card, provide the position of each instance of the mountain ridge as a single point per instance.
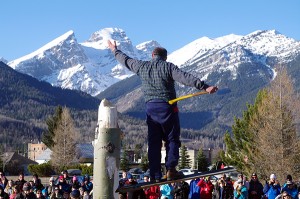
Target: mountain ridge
(239, 65)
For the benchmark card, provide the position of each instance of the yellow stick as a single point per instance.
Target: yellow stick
(186, 96)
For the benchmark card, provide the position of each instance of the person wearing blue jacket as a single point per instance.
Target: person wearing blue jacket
(167, 191)
(158, 83)
(291, 189)
(194, 189)
(241, 191)
(272, 188)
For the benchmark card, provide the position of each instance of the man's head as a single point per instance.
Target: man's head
(65, 173)
(254, 176)
(21, 176)
(124, 174)
(146, 178)
(26, 188)
(272, 177)
(35, 176)
(61, 179)
(240, 176)
(240, 181)
(223, 177)
(286, 195)
(161, 52)
(51, 180)
(86, 178)
(289, 177)
(130, 177)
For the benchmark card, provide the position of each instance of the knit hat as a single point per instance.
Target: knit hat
(129, 176)
(272, 176)
(289, 177)
(26, 187)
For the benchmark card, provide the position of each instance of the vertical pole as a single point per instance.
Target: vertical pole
(106, 153)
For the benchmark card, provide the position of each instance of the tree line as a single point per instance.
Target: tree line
(266, 138)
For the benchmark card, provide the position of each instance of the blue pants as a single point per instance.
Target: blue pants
(163, 125)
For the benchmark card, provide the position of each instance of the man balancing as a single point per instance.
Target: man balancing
(158, 82)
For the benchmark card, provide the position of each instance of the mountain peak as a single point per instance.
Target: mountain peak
(68, 37)
(270, 43)
(99, 38)
(3, 60)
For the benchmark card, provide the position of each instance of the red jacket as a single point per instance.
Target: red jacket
(152, 192)
(206, 189)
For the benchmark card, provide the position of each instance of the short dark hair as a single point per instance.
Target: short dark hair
(162, 52)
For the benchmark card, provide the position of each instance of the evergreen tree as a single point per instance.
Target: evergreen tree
(265, 138)
(52, 123)
(124, 161)
(201, 163)
(65, 140)
(274, 127)
(184, 158)
(144, 163)
(138, 152)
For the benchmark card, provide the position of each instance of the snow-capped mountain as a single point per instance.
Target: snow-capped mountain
(3, 60)
(87, 66)
(229, 52)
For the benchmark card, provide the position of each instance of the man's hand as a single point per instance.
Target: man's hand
(112, 46)
(211, 89)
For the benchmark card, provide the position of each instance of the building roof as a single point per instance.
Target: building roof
(8, 157)
(45, 155)
(85, 153)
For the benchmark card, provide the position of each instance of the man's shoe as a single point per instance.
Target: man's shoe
(173, 174)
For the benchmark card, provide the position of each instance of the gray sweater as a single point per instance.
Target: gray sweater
(158, 76)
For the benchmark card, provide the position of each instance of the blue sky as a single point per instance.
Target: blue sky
(28, 25)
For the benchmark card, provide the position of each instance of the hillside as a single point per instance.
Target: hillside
(26, 103)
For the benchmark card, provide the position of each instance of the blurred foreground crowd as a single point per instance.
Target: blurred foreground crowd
(62, 187)
(222, 188)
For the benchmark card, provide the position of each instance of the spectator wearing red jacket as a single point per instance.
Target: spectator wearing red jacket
(151, 192)
(206, 188)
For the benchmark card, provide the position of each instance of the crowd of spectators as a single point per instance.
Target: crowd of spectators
(222, 188)
(62, 187)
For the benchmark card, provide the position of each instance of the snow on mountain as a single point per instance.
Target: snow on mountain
(228, 53)
(88, 66)
(91, 67)
(199, 47)
(270, 43)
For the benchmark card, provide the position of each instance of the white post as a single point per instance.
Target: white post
(106, 152)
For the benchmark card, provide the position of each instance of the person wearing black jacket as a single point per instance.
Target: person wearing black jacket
(182, 190)
(27, 193)
(255, 188)
(3, 194)
(20, 181)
